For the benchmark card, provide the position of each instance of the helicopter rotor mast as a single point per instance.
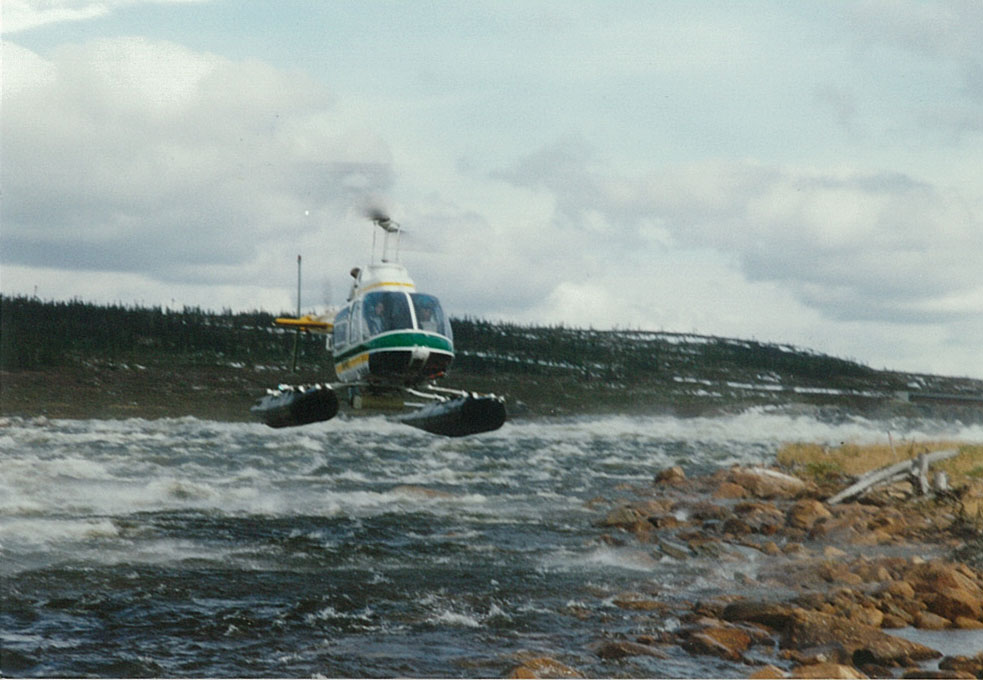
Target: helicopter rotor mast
(390, 240)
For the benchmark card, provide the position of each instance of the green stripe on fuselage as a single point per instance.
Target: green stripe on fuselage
(398, 340)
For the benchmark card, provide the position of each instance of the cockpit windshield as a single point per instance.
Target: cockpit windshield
(386, 311)
(429, 315)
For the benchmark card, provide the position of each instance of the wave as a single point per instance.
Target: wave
(62, 479)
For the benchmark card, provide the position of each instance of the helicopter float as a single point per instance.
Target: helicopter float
(388, 339)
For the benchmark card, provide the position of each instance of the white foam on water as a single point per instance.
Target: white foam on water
(452, 618)
(62, 480)
(600, 558)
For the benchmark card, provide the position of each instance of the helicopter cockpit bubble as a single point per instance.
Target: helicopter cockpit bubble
(386, 311)
(429, 315)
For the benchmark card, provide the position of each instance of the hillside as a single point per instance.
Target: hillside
(77, 359)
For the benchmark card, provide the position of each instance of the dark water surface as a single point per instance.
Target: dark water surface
(357, 547)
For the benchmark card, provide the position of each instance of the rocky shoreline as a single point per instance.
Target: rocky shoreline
(832, 585)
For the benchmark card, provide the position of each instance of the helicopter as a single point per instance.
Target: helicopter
(388, 339)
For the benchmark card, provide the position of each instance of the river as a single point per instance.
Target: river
(357, 547)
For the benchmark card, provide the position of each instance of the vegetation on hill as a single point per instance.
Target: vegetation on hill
(552, 369)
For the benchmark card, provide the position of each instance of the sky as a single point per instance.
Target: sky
(804, 173)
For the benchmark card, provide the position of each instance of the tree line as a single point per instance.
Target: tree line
(37, 334)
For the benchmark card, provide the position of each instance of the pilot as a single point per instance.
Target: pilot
(377, 318)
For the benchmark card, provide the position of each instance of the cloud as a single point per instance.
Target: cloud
(853, 245)
(145, 156)
(23, 15)
(946, 30)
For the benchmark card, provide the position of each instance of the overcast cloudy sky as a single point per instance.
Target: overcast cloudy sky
(793, 172)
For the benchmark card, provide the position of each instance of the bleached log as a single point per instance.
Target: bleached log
(883, 474)
(919, 469)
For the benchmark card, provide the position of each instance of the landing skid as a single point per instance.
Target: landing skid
(464, 414)
(447, 412)
(290, 405)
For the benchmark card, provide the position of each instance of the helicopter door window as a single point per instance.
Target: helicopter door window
(356, 331)
(340, 334)
(429, 315)
(386, 311)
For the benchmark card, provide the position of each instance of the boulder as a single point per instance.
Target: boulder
(934, 576)
(730, 490)
(826, 670)
(671, 475)
(806, 512)
(894, 621)
(766, 483)
(837, 572)
(967, 664)
(770, 614)
(767, 672)
(967, 623)
(955, 602)
(762, 517)
(869, 616)
(865, 644)
(633, 601)
(902, 590)
(619, 649)
(543, 667)
(727, 642)
(624, 516)
(930, 621)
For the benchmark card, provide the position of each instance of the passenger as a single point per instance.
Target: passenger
(427, 320)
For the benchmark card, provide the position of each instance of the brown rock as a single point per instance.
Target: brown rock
(665, 521)
(837, 572)
(795, 549)
(864, 643)
(826, 670)
(765, 483)
(726, 642)
(770, 614)
(619, 649)
(768, 672)
(870, 616)
(643, 530)
(934, 576)
(730, 490)
(870, 571)
(623, 516)
(806, 512)
(735, 526)
(930, 621)
(954, 602)
(763, 518)
(672, 475)
(639, 602)
(771, 548)
(968, 664)
(900, 589)
(893, 621)
(923, 674)
(967, 623)
(543, 667)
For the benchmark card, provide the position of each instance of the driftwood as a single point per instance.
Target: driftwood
(917, 467)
